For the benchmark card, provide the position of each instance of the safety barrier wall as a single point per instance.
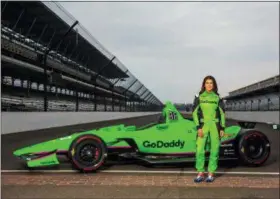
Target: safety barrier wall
(12, 122)
(270, 117)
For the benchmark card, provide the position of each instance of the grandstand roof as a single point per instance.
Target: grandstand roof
(44, 24)
(262, 87)
(48, 26)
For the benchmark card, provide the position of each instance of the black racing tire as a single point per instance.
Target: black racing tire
(87, 153)
(253, 148)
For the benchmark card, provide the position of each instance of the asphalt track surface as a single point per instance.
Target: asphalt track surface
(144, 182)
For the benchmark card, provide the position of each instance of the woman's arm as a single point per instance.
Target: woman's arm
(222, 114)
(196, 115)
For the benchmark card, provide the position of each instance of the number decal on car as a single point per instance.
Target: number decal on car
(173, 115)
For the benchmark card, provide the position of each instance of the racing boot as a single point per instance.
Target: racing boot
(210, 177)
(199, 178)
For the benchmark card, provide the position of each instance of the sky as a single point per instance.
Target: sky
(170, 47)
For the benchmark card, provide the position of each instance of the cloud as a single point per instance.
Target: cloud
(170, 47)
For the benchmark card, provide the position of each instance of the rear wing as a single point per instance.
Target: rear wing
(247, 125)
(251, 125)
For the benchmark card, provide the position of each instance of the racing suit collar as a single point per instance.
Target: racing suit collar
(208, 93)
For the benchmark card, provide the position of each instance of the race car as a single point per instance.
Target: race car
(172, 140)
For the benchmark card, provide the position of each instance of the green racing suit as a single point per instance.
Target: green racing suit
(208, 115)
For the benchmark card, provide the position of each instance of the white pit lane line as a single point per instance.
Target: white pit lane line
(144, 172)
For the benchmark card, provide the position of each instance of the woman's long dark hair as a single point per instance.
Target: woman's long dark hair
(215, 86)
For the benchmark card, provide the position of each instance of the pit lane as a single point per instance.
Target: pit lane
(11, 142)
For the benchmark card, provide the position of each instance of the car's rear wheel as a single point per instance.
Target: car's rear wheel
(87, 153)
(253, 148)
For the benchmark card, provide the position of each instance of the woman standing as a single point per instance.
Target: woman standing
(209, 117)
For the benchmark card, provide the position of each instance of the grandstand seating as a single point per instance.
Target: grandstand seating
(23, 103)
(75, 63)
(268, 102)
(264, 84)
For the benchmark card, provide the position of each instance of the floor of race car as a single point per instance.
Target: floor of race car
(144, 182)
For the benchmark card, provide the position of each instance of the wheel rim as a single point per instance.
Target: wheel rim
(89, 154)
(254, 148)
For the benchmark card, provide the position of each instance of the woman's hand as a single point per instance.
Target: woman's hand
(200, 133)
(222, 133)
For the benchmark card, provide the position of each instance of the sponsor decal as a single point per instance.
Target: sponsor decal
(229, 152)
(48, 162)
(208, 102)
(162, 144)
(66, 138)
(173, 115)
(226, 145)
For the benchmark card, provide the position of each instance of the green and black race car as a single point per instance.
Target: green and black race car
(170, 141)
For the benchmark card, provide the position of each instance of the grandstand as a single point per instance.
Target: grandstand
(51, 63)
(180, 106)
(260, 96)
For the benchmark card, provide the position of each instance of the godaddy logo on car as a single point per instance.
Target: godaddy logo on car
(161, 144)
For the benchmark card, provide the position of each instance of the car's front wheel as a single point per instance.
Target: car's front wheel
(253, 148)
(87, 153)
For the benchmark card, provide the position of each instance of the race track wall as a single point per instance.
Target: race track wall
(12, 122)
(271, 117)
